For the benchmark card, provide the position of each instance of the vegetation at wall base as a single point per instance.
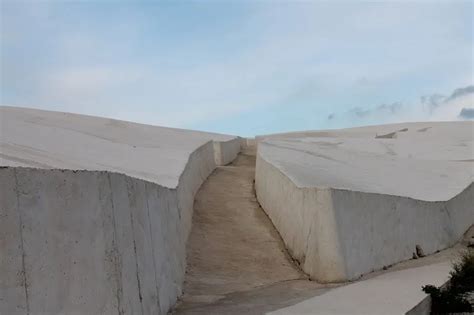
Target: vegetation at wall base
(452, 297)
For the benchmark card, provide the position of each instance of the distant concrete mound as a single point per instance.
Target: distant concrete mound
(347, 202)
(95, 213)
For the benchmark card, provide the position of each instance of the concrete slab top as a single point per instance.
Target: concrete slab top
(431, 161)
(55, 140)
(391, 293)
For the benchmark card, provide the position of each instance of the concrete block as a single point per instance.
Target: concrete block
(96, 212)
(347, 203)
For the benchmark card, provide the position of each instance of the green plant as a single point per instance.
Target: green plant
(451, 297)
(462, 275)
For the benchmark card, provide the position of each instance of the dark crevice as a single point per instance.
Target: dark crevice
(140, 297)
(152, 249)
(116, 255)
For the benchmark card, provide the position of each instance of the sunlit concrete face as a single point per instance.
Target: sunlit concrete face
(350, 201)
(96, 212)
(44, 139)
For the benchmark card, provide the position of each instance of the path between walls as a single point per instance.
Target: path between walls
(237, 262)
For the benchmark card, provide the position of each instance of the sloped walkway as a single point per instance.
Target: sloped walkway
(237, 262)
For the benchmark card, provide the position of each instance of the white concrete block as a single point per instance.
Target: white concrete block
(106, 209)
(347, 202)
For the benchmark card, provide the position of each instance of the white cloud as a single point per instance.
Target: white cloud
(435, 107)
(451, 108)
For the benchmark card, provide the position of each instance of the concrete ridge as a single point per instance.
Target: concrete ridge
(282, 171)
(429, 166)
(108, 118)
(116, 227)
(338, 235)
(54, 140)
(298, 133)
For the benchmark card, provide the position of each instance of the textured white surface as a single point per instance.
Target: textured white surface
(393, 293)
(347, 203)
(425, 161)
(44, 139)
(95, 213)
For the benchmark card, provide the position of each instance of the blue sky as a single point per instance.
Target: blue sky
(239, 67)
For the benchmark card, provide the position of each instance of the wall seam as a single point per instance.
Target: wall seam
(152, 249)
(23, 255)
(116, 256)
(140, 296)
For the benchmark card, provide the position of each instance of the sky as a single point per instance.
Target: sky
(241, 67)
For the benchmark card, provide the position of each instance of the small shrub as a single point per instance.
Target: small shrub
(462, 275)
(451, 298)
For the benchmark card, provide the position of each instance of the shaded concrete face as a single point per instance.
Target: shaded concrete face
(377, 230)
(306, 221)
(226, 151)
(83, 242)
(342, 227)
(105, 239)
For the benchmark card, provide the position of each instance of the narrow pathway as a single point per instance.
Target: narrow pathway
(237, 262)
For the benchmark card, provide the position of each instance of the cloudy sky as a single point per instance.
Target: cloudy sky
(241, 67)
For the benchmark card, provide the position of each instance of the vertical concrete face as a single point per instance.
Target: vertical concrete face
(147, 293)
(390, 227)
(323, 246)
(226, 151)
(339, 235)
(68, 241)
(13, 288)
(351, 201)
(109, 238)
(95, 242)
(305, 219)
(124, 239)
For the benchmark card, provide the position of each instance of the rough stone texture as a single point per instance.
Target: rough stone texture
(347, 203)
(84, 229)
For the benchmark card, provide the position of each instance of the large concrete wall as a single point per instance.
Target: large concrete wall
(94, 242)
(338, 234)
(95, 213)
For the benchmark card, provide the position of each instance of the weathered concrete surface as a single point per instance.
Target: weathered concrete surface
(393, 293)
(348, 202)
(226, 151)
(237, 262)
(396, 290)
(95, 213)
(54, 140)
